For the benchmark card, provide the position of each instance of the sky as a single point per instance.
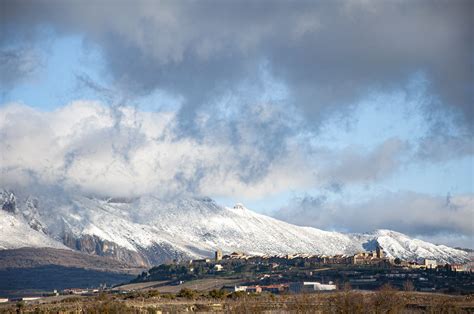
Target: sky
(340, 115)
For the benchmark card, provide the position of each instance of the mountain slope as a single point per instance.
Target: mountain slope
(16, 233)
(27, 271)
(147, 230)
(396, 244)
(27, 257)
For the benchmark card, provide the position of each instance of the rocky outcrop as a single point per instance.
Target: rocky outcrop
(8, 202)
(31, 215)
(93, 245)
(163, 253)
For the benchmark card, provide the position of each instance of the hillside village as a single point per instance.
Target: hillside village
(310, 273)
(238, 272)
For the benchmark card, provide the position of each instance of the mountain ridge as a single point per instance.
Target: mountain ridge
(147, 230)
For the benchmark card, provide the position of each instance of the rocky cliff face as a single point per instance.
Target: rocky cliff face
(93, 245)
(8, 201)
(28, 212)
(164, 253)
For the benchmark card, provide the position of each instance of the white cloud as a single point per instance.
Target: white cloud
(421, 215)
(97, 149)
(123, 151)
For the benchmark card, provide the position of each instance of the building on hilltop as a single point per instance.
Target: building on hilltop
(370, 258)
(379, 251)
(236, 255)
(430, 263)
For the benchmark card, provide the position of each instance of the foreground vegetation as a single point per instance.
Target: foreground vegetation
(386, 300)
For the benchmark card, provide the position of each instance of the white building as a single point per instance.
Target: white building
(430, 263)
(240, 288)
(307, 287)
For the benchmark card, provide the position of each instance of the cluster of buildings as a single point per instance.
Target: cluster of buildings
(80, 291)
(294, 287)
(433, 264)
(363, 258)
(374, 258)
(276, 288)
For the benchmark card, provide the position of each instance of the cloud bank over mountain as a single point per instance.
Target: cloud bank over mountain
(122, 152)
(328, 112)
(125, 152)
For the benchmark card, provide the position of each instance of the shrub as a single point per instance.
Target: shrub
(217, 294)
(387, 300)
(237, 295)
(187, 293)
(102, 296)
(153, 293)
(71, 300)
(408, 286)
(20, 305)
(168, 296)
(348, 302)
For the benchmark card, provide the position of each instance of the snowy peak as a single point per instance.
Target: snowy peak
(149, 230)
(8, 201)
(396, 244)
(239, 206)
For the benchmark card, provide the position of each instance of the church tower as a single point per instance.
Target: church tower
(218, 255)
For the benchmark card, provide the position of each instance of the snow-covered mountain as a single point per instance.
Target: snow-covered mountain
(147, 230)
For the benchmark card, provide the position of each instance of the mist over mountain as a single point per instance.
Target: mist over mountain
(88, 148)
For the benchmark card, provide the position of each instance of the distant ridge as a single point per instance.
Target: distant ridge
(33, 271)
(37, 257)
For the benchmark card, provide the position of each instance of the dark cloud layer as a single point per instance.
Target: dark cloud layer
(330, 54)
